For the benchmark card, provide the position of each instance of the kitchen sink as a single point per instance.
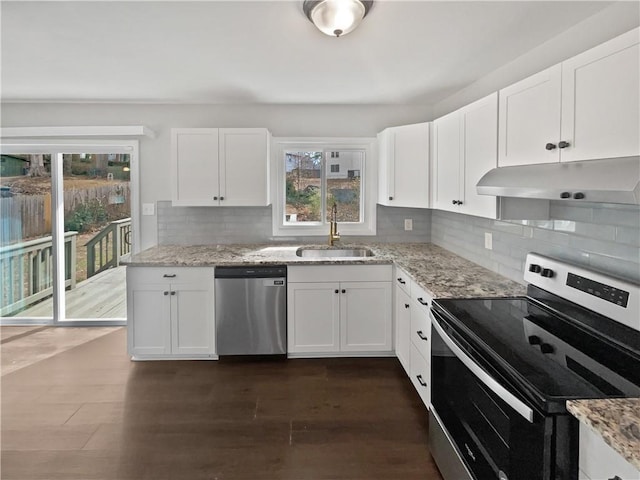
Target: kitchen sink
(333, 252)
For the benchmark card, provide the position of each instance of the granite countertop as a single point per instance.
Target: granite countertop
(616, 420)
(440, 272)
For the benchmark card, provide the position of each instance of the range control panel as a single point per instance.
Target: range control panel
(597, 289)
(607, 295)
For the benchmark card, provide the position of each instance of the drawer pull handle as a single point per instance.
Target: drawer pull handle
(166, 275)
(421, 300)
(615, 478)
(421, 335)
(421, 381)
(400, 280)
(406, 305)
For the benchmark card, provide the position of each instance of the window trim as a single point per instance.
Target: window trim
(369, 173)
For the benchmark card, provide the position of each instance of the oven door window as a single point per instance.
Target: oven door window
(494, 440)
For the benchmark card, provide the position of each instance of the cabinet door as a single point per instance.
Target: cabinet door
(411, 166)
(365, 317)
(403, 328)
(194, 162)
(148, 319)
(447, 146)
(600, 101)
(385, 167)
(479, 123)
(313, 317)
(529, 119)
(244, 163)
(192, 318)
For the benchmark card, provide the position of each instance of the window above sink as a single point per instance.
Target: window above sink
(310, 174)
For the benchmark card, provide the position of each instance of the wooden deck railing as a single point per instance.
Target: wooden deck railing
(107, 248)
(26, 271)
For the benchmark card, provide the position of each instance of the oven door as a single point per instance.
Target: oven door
(490, 430)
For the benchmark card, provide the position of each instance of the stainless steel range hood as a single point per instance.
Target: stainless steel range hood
(613, 180)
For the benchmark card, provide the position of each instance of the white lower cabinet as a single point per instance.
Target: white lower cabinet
(402, 286)
(339, 309)
(421, 342)
(598, 461)
(170, 312)
(413, 332)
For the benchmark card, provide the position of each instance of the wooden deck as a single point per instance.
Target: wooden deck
(102, 296)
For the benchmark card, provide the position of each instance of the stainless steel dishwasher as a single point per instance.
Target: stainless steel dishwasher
(251, 310)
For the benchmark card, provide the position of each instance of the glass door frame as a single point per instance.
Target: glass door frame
(57, 148)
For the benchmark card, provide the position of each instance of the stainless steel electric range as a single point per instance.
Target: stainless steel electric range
(503, 369)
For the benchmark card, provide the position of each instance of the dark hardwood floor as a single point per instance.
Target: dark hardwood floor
(90, 413)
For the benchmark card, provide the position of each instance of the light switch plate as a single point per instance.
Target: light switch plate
(488, 241)
(408, 224)
(148, 209)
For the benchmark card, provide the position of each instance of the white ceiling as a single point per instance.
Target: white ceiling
(265, 52)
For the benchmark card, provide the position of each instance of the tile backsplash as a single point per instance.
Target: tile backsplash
(599, 236)
(210, 225)
(603, 237)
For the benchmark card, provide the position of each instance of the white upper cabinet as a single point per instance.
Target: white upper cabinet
(465, 148)
(220, 166)
(600, 101)
(404, 166)
(585, 108)
(529, 115)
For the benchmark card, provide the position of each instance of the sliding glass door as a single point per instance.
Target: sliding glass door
(66, 227)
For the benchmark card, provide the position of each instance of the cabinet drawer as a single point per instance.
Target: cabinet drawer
(420, 330)
(159, 275)
(338, 273)
(421, 298)
(402, 280)
(420, 374)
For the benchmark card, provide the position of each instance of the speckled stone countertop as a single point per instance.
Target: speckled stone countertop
(617, 421)
(440, 272)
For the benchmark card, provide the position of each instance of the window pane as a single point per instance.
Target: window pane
(343, 184)
(303, 187)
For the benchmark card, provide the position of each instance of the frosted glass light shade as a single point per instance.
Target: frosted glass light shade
(336, 17)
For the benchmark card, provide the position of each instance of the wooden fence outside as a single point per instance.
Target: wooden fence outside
(29, 216)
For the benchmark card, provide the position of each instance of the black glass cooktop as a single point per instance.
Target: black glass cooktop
(551, 351)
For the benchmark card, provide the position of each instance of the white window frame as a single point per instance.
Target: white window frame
(368, 174)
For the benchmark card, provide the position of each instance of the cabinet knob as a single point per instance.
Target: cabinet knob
(221, 198)
(565, 195)
(344, 291)
(173, 292)
(564, 144)
(390, 198)
(406, 305)
(165, 293)
(550, 146)
(460, 202)
(454, 202)
(578, 195)
(215, 198)
(336, 291)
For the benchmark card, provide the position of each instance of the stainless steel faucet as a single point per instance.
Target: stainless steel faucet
(333, 229)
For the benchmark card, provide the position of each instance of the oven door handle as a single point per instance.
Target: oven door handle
(483, 376)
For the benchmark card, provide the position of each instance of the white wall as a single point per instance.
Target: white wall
(615, 20)
(281, 120)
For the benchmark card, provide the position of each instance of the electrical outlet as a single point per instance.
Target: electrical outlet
(408, 224)
(148, 209)
(488, 241)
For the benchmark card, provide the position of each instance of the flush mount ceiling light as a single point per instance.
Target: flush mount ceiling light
(336, 17)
